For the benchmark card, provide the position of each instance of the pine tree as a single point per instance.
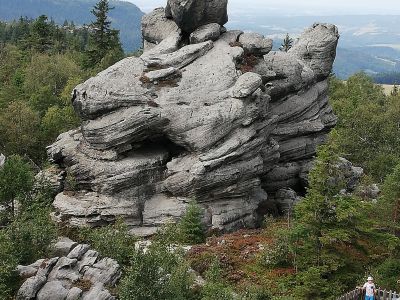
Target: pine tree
(287, 44)
(191, 227)
(104, 41)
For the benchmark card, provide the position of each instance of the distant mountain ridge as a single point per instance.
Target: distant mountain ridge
(126, 16)
(367, 43)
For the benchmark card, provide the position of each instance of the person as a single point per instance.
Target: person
(370, 289)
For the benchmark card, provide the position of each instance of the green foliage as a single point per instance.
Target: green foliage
(104, 45)
(159, 273)
(16, 182)
(287, 43)
(367, 127)
(112, 241)
(24, 240)
(190, 225)
(390, 201)
(215, 288)
(387, 274)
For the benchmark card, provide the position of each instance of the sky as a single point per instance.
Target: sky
(298, 7)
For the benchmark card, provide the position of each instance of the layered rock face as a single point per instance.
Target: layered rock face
(205, 114)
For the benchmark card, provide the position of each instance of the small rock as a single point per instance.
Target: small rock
(26, 271)
(231, 36)
(31, 287)
(246, 85)
(74, 294)
(52, 290)
(106, 271)
(78, 251)
(255, 43)
(64, 246)
(205, 33)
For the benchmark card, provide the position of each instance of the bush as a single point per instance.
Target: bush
(191, 227)
(157, 274)
(112, 241)
(388, 274)
(215, 288)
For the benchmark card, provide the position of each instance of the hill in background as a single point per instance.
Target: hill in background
(126, 16)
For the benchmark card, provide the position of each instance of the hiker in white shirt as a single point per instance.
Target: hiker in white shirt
(370, 289)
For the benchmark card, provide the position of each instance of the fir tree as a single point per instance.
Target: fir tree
(104, 41)
(191, 227)
(287, 44)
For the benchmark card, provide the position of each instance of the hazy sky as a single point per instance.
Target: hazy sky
(298, 7)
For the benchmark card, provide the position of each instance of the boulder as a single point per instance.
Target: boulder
(255, 43)
(156, 27)
(209, 32)
(52, 290)
(191, 14)
(317, 48)
(246, 85)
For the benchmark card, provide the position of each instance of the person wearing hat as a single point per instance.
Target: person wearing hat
(369, 288)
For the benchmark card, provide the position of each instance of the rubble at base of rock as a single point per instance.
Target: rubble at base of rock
(79, 273)
(204, 114)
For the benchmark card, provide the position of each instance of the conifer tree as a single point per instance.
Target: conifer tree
(287, 43)
(103, 39)
(191, 227)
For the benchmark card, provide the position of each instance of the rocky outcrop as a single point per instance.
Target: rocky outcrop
(77, 273)
(213, 116)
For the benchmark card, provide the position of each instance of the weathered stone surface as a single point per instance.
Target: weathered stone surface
(52, 177)
(246, 85)
(255, 43)
(57, 278)
(231, 36)
(63, 246)
(52, 290)
(209, 32)
(106, 271)
(317, 47)
(191, 14)
(156, 27)
(210, 121)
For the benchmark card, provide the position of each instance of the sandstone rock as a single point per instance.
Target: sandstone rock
(317, 47)
(231, 36)
(31, 287)
(78, 251)
(202, 121)
(156, 27)
(205, 33)
(98, 292)
(52, 177)
(255, 43)
(106, 271)
(286, 200)
(52, 290)
(191, 14)
(63, 246)
(56, 278)
(74, 294)
(246, 85)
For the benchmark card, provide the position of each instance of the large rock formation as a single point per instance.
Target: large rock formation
(222, 120)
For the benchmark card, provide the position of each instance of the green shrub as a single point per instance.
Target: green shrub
(112, 241)
(159, 273)
(190, 226)
(215, 288)
(387, 274)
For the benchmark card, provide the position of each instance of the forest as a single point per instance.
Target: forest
(327, 247)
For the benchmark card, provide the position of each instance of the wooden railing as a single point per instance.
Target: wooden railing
(358, 294)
